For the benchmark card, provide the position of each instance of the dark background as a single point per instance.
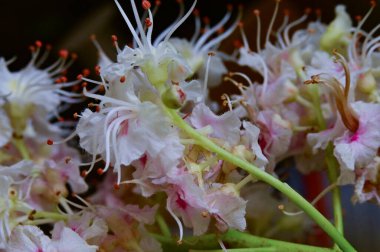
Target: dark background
(69, 24)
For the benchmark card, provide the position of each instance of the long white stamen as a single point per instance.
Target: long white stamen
(150, 28)
(352, 48)
(212, 30)
(279, 31)
(162, 35)
(179, 223)
(272, 22)
(139, 25)
(71, 136)
(180, 22)
(258, 33)
(291, 25)
(197, 30)
(367, 39)
(244, 37)
(222, 245)
(204, 93)
(221, 37)
(135, 36)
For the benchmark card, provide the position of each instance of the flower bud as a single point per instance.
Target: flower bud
(338, 30)
(173, 97)
(366, 83)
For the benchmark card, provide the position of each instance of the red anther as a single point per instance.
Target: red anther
(114, 38)
(196, 12)
(32, 48)
(122, 79)
(307, 11)
(206, 20)
(58, 80)
(256, 12)
(63, 79)
(230, 7)
(372, 3)
(237, 43)
(74, 56)
(97, 70)
(86, 72)
(79, 77)
(158, 2)
(100, 171)
(220, 30)
(93, 37)
(38, 44)
(116, 186)
(146, 4)
(358, 18)
(179, 1)
(49, 142)
(97, 108)
(287, 12)
(75, 115)
(83, 173)
(63, 53)
(75, 88)
(61, 119)
(102, 89)
(84, 84)
(318, 12)
(148, 23)
(241, 24)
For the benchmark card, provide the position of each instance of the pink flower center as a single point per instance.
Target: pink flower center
(180, 202)
(354, 137)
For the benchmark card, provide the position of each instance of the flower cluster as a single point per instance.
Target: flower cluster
(165, 152)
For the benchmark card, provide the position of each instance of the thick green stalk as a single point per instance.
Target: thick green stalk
(163, 226)
(263, 176)
(235, 239)
(21, 147)
(330, 160)
(333, 176)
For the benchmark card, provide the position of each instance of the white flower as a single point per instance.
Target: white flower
(32, 95)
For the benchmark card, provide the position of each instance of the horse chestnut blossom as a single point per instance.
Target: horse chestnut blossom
(153, 164)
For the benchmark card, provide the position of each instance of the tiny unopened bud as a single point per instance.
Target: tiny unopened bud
(174, 97)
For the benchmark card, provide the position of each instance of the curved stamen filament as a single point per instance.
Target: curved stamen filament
(272, 21)
(315, 201)
(343, 62)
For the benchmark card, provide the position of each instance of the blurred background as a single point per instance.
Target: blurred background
(69, 24)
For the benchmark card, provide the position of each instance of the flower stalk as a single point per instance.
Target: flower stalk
(265, 177)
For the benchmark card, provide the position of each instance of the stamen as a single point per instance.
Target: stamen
(221, 37)
(315, 201)
(352, 48)
(132, 30)
(293, 24)
(258, 33)
(162, 35)
(244, 36)
(212, 30)
(180, 227)
(197, 26)
(180, 22)
(205, 84)
(139, 25)
(272, 22)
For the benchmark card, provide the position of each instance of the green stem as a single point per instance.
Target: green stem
(21, 147)
(235, 239)
(263, 176)
(163, 226)
(49, 215)
(269, 249)
(330, 161)
(333, 177)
